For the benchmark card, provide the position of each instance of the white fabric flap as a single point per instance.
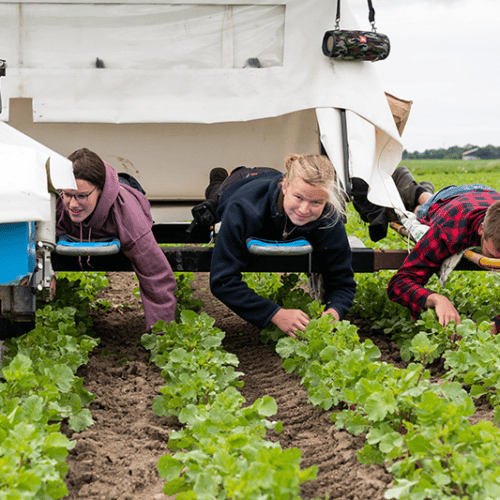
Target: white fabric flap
(23, 192)
(61, 169)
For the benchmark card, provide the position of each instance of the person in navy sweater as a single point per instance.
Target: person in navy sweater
(263, 203)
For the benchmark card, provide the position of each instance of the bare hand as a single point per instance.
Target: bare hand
(290, 320)
(445, 310)
(333, 312)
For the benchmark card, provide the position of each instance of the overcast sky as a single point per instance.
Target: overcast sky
(445, 57)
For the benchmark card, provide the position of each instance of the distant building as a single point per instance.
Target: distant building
(469, 155)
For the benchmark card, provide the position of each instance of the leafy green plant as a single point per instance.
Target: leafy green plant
(79, 289)
(418, 429)
(223, 454)
(194, 367)
(221, 451)
(267, 285)
(184, 294)
(475, 362)
(286, 290)
(193, 331)
(195, 377)
(38, 389)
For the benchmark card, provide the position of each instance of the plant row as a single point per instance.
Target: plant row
(418, 429)
(471, 357)
(221, 452)
(38, 389)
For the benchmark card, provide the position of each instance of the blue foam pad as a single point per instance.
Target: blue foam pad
(298, 246)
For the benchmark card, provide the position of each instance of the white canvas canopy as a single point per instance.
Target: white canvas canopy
(184, 62)
(26, 166)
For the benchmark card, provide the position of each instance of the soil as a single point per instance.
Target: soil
(116, 457)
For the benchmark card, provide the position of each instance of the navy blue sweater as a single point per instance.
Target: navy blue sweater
(249, 208)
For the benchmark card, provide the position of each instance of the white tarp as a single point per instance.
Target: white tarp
(373, 154)
(60, 168)
(186, 62)
(24, 194)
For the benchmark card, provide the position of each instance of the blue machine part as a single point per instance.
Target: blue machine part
(298, 246)
(17, 252)
(68, 246)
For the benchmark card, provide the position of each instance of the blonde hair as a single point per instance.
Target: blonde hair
(317, 170)
(491, 224)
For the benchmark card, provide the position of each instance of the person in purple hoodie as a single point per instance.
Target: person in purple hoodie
(103, 207)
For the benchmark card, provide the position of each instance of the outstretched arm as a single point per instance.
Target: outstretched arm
(407, 286)
(229, 258)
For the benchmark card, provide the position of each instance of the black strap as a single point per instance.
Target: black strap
(371, 14)
(345, 152)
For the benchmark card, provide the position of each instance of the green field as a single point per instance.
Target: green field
(444, 173)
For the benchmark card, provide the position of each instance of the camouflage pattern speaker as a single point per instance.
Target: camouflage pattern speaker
(345, 45)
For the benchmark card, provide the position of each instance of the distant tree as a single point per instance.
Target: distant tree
(454, 153)
(488, 153)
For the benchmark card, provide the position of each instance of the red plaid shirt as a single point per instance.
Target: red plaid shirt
(454, 225)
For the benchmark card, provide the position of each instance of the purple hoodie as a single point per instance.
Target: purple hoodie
(124, 212)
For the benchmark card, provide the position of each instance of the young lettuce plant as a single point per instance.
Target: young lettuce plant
(38, 388)
(475, 362)
(184, 294)
(221, 453)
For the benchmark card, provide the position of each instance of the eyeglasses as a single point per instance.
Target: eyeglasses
(80, 198)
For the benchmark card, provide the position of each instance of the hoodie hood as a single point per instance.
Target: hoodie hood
(106, 199)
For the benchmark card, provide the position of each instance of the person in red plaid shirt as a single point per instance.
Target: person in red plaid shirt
(459, 217)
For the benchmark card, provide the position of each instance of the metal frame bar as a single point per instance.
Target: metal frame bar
(189, 256)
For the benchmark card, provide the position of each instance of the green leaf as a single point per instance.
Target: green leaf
(17, 369)
(478, 390)
(379, 404)
(81, 420)
(33, 408)
(266, 406)
(57, 440)
(401, 489)
(28, 481)
(62, 377)
(169, 467)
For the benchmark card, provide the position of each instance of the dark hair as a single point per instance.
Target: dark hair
(87, 166)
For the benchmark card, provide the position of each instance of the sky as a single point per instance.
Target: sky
(445, 57)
